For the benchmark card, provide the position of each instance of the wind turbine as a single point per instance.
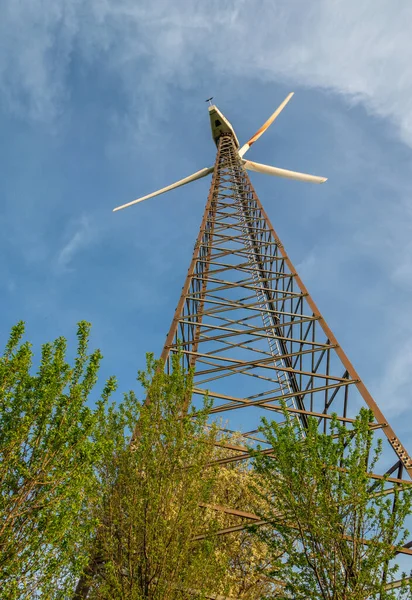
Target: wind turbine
(221, 126)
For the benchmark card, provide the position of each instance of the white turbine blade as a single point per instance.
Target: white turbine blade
(197, 175)
(268, 170)
(265, 126)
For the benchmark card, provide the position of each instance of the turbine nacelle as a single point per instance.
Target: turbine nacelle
(221, 126)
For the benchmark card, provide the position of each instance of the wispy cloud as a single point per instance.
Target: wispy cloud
(393, 387)
(81, 235)
(362, 50)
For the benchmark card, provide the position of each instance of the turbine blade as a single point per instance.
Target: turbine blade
(197, 175)
(268, 170)
(265, 126)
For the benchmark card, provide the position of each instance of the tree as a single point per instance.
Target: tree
(153, 490)
(137, 553)
(246, 555)
(50, 443)
(332, 530)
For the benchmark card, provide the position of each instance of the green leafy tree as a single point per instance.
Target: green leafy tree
(154, 488)
(50, 442)
(246, 556)
(158, 492)
(332, 530)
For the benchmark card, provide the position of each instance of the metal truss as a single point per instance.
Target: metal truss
(249, 328)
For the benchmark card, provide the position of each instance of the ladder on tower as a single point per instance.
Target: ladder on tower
(283, 377)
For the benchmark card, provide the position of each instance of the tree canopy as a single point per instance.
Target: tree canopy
(138, 490)
(154, 489)
(332, 530)
(50, 443)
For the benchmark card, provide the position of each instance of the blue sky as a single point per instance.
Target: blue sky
(102, 101)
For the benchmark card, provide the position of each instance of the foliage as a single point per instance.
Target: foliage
(332, 529)
(145, 483)
(150, 511)
(67, 472)
(71, 475)
(245, 554)
(49, 444)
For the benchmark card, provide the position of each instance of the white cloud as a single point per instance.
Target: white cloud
(36, 44)
(362, 50)
(80, 237)
(393, 387)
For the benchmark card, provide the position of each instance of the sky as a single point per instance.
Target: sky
(102, 101)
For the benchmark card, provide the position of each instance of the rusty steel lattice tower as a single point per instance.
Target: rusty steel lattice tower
(248, 326)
